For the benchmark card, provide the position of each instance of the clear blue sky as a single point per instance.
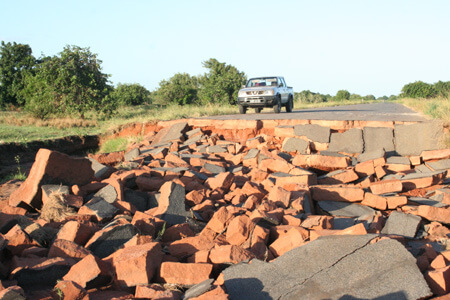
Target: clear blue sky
(363, 46)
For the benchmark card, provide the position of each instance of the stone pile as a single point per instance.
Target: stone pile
(186, 214)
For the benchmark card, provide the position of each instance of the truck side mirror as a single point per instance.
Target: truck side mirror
(280, 85)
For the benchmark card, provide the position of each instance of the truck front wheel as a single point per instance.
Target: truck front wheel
(242, 109)
(258, 110)
(277, 106)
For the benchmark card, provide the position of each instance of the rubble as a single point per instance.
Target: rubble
(193, 213)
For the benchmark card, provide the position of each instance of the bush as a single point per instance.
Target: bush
(180, 89)
(309, 97)
(342, 95)
(418, 89)
(442, 88)
(130, 94)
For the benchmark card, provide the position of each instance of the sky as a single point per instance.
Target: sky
(362, 46)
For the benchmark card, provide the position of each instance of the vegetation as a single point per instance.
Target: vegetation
(130, 94)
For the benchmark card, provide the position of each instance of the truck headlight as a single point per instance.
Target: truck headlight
(241, 94)
(268, 92)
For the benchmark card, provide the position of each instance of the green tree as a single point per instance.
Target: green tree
(442, 88)
(221, 84)
(15, 61)
(181, 89)
(355, 97)
(71, 83)
(418, 89)
(342, 95)
(369, 97)
(307, 96)
(130, 94)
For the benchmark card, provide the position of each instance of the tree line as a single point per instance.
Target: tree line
(73, 83)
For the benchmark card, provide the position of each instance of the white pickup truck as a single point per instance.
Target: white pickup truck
(263, 92)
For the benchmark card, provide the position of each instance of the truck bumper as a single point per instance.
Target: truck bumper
(258, 101)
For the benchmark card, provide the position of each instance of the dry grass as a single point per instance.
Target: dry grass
(15, 119)
(55, 209)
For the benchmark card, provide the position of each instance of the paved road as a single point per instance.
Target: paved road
(365, 112)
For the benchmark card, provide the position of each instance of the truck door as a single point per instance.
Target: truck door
(283, 90)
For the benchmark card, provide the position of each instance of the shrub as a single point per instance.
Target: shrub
(342, 95)
(418, 89)
(130, 94)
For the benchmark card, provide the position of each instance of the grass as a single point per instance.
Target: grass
(435, 108)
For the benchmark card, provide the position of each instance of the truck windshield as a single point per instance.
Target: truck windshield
(266, 81)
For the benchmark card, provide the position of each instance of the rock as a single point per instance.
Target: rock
(70, 290)
(229, 254)
(345, 209)
(413, 139)
(313, 132)
(320, 269)
(68, 249)
(198, 289)
(106, 241)
(101, 171)
(338, 177)
(337, 193)
(108, 193)
(386, 186)
(38, 273)
(350, 141)
(155, 291)
(295, 145)
(51, 167)
(99, 208)
(90, 272)
(402, 224)
(371, 155)
(378, 138)
(438, 214)
(75, 232)
(321, 162)
(185, 273)
(172, 133)
(171, 204)
(136, 265)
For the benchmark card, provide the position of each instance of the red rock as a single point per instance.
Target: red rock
(35, 252)
(280, 197)
(423, 182)
(75, 232)
(55, 166)
(439, 281)
(290, 240)
(357, 229)
(431, 213)
(380, 172)
(222, 180)
(220, 220)
(145, 183)
(396, 201)
(364, 169)
(145, 223)
(89, 272)
(318, 222)
(177, 232)
(70, 290)
(136, 265)
(195, 197)
(201, 256)
(374, 201)
(185, 273)
(238, 230)
(346, 176)
(252, 202)
(188, 246)
(111, 158)
(275, 165)
(439, 262)
(250, 188)
(337, 193)
(321, 162)
(229, 254)
(435, 154)
(386, 186)
(217, 293)
(64, 248)
(13, 293)
(176, 160)
(156, 292)
(291, 220)
(18, 240)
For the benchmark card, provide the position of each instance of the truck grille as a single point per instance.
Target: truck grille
(250, 93)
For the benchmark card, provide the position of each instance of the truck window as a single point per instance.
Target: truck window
(266, 81)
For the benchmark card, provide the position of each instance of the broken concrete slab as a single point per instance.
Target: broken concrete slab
(295, 145)
(331, 267)
(350, 141)
(101, 171)
(413, 139)
(313, 132)
(107, 193)
(344, 209)
(171, 204)
(108, 240)
(132, 154)
(402, 224)
(378, 138)
(170, 133)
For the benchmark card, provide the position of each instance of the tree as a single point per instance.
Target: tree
(130, 94)
(181, 89)
(369, 97)
(310, 97)
(221, 84)
(71, 83)
(442, 88)
(418, 89)
(342, 95)
(15, 61)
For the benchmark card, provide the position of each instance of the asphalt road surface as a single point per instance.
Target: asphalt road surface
(383, 111)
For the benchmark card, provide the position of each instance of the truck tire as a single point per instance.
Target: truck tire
(258, 110)
(242, 109)
(277, 106)
(289, 104)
